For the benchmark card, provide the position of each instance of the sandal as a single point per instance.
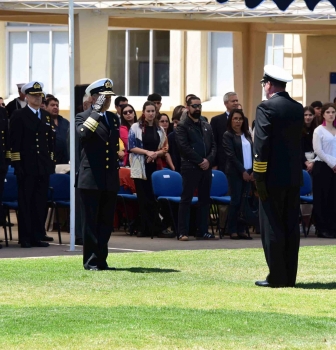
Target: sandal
(183, 238)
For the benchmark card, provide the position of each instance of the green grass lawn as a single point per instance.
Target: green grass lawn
(168, 300)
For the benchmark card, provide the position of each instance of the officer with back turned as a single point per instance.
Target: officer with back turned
(98, 175)
(278, 174)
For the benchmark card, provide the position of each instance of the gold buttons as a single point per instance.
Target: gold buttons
(37, 146)
(46, 133)
(2, 132)
(3, 144)
(82, 129)
(107, 158)
(107, 143)
(37, 133)
(117, 145)
(36, 139)
(107, 166)
(107, 151)
(38, 151)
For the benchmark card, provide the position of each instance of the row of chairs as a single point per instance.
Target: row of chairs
(58, 197)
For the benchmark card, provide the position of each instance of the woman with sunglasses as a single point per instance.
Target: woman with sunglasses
(127, 118)
(238, 147)
(164, 122)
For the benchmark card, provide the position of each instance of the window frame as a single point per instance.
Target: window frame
(28, 29)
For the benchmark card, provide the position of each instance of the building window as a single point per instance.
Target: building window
(38, 53)
(221, 64)
(275, 45)
(139, 62)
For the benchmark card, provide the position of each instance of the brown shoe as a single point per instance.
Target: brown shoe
(183, 238)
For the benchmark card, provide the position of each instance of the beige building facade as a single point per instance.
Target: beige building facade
(187, 51)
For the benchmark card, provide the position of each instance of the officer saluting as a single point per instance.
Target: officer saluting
(277, 170)
(32, 154)
(98, 175)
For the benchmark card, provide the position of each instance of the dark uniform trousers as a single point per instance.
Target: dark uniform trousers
(32, 199)
(32, 152)
(194, 178)
(97, 182)
(280, 233)
(97, 212)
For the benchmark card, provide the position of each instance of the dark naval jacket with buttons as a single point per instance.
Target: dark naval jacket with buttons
(32, 142)
(99, 164)
(5, 154)
(195, 141)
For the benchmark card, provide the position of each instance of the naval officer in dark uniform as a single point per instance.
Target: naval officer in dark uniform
(32, 153)
(278, 173)
(5, 157)
(98, 175)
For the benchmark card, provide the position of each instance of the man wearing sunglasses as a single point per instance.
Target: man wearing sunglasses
(197, 148)
(118, 103)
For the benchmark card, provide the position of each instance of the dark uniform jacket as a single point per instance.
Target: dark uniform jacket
(5, 155)
(99, 165)
(32, 142)
(277, 141)
(13, 106)
(218, 125)
(61, 149)
(232, 145)
(195, 142)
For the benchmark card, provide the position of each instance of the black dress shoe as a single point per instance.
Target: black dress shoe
(47, 239)
(91, 267)
(106, 268)
(269, 285)
(166, 234)
(79, 241)
(25, 245)
(39, 244)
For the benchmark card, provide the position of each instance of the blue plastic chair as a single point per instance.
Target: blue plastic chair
(125, 195)
(218, 194)
(306, 197)
(59, 196)
(167, 187)
(10, 201)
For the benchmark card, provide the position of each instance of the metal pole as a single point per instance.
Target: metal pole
(72, 124)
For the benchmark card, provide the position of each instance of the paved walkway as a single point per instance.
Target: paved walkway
(120, 242)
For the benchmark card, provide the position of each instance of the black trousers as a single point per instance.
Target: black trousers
(2, 184)
(149, 213)
(97, 213)
(78, 215)
(194, 179)
(236, 187)
(32, 201)
(324, 199)
(280, 233)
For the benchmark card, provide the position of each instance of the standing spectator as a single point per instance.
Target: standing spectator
(324, 174)
(317, 105)
(118, 103)
(197, 147)
(237, 144)
(18, 102)
(98, 175)
(32, 146)
(310, 123)
(218, 124)
(278, 173)
(172, 146)
(156, 99)
(164, 122)
(147, 142)
(61, 127)
(128, 118)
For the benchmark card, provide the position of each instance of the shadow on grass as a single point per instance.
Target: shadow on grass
(316, 285)
(148, 270)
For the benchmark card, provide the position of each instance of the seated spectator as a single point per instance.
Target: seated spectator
(310, 123)
(61, 127)
(317, 105)
(128, 117)
(172, 146)
(324, 174)
(147, 142)
(237, 144)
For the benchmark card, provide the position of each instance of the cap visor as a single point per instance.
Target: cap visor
(35, 93)
(111, 93)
